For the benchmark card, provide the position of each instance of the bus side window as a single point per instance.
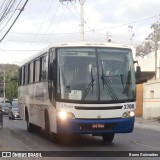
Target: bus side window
(51, 64)
(36, 70)
(43, 68)
(20, 77)
(23, 75)
(26, 75)
(31, 73)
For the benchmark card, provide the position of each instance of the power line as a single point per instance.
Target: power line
(125, 24)
(8, 7)
(14, 21)
(59, 20)
(12, 50)
(55, 24)
(91, 30)
(35, 35)
(4, 9)
(2, 4)
(11, 16)
(52, 20)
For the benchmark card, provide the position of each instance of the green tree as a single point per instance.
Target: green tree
(12, 85)
(11, 81)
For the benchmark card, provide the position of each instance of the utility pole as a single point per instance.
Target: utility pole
(156, 47)
(108, 37)
(4, 85)
(131, 33)
(82, 19)
(2, 71)
(81, 16)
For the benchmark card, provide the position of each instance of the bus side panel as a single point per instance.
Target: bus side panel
(35, 98)
(38, 102)
(21, 102)
(52, 117)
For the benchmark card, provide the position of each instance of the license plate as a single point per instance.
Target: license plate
(97, 125)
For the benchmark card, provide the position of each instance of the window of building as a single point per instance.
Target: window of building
(151, 94)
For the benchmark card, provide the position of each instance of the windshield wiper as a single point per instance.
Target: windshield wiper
(108, 86)
(128, 83)
(91, 84)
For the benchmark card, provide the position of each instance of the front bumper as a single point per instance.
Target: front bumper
(85, 126)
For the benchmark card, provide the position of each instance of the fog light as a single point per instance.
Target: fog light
(70, 115)
(128, 114)
(125, 115)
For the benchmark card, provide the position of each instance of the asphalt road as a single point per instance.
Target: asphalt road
(14, 137)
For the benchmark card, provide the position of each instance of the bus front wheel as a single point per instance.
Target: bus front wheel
(47, 124)
(53, 137)
(108, 137)
(30, 126)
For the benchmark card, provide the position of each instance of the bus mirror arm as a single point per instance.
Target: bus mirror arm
(138, 74)
(135, 62)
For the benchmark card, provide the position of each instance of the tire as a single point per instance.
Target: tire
(30, 126)
(108, 137)
(9, 118)
(53, 137)
(47, 125)
(12, 117)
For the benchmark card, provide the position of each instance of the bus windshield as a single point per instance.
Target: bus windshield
(95, 74)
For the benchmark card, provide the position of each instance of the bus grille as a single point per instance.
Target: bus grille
(98, 108)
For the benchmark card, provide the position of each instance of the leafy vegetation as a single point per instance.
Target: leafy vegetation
(149, 44)
(11, 80)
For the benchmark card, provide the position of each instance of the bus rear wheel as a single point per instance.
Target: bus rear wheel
(108, 137)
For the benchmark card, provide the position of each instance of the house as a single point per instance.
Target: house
(148, 92)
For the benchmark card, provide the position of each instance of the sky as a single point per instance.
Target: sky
(43, 23)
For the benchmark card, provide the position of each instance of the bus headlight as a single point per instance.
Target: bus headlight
(131, 113)
(128, 114)
(62, 115)
(65, 115)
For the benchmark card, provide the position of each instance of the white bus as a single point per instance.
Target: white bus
(79, 88)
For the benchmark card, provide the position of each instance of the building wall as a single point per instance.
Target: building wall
(139, 100)
(151, 99)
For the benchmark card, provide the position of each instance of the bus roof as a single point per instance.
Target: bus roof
(90, 44)
(76, 44)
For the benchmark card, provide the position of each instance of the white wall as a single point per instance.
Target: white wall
(151, 99)
(147, 63)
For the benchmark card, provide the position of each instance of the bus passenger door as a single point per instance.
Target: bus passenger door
(51, 76)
